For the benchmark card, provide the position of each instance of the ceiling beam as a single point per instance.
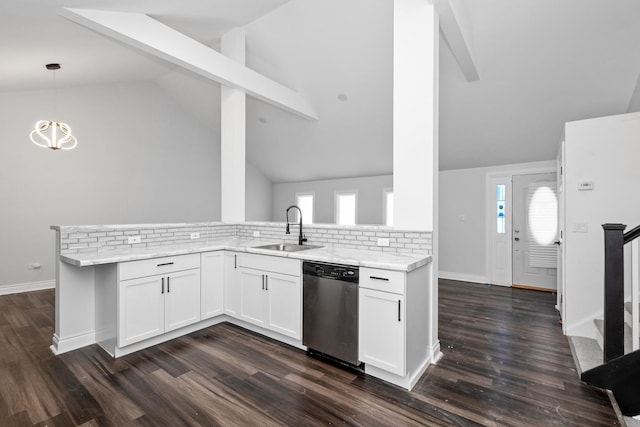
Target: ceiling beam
(456, 31)
(151, 36)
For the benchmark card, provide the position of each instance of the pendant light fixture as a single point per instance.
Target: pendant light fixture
(52, 134)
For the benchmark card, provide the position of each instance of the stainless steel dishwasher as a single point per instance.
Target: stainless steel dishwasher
(330, 310)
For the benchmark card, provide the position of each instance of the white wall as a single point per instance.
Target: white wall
(258, 194)
(369, 189)
(462, 242)
(139, 159)
(462, 224)
(605, 151)
(634, 103)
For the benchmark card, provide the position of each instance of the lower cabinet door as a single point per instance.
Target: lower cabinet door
(285, 302)
(382, 330)
(212, 282)
(140, 309)
(182, 299)
(231, 284)
(253, 296)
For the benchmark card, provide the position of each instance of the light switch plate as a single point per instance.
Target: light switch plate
(383, 241)
(585, 185)
(195, 235)
(134, 239)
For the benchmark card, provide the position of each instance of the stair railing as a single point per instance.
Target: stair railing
(613, 334)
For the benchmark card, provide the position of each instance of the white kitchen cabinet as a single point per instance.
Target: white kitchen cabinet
(157, 303)
(254, 298)
(212, 277)
(141, 308)
(271, 293)
(284, 293)
(382, 330)
(231, 284)
(182, 299)
(382, 319)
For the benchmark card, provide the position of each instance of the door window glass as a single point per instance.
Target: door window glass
(501, 225)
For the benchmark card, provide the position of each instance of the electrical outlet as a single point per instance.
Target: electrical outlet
(383, 241)
(195, 235)
(256, 234)
(134, 239)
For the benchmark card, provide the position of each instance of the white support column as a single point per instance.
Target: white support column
(415, 130)
(233, 135)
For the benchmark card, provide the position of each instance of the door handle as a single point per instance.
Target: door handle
(517, 239)
(263, 282)
(168, 289)
(266, 282)
(399, 310)
(162, 286)
(557, 242)
(235, 261)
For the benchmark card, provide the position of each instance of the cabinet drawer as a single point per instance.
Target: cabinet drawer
(382, 280)
(150, 267)
(275, 264)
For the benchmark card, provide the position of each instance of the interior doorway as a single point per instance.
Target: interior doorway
(535, 231)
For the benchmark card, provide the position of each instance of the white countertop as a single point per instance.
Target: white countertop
(356, 257)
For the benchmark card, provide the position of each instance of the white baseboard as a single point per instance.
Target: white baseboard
(27, 287)
(463, 277)
(583, 328)
(59, 346)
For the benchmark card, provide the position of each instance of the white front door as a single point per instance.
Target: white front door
(535, 230)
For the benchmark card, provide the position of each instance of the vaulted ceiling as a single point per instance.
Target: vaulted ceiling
(541, 63)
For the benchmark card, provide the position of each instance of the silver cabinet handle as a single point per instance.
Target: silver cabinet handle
(263, 282)
(165, 263)
(379, 278)
(162, 286)
(168, 289)
(235, 261)
(399, 311)
(266, 282)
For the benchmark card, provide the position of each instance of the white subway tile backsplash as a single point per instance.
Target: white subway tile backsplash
(364, 238)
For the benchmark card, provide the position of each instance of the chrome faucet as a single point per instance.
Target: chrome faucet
(301, 238)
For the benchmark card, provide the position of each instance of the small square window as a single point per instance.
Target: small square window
(346, 206)
(305, 203)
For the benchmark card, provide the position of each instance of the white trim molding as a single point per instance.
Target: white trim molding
(462, 277)
(27, 287)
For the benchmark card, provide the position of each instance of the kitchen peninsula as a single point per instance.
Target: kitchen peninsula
(128, 287)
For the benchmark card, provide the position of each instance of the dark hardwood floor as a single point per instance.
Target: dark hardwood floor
(505, 362)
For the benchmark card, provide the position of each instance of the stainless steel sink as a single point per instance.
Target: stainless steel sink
(286, 247)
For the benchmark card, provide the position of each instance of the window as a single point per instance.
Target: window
(501, 226)
(543, 214)
(387, 202)
(305, 203)
(346, 207)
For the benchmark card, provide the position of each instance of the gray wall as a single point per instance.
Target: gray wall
(258, 195)
(462, 240)
(369, 197)
(140, 159)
